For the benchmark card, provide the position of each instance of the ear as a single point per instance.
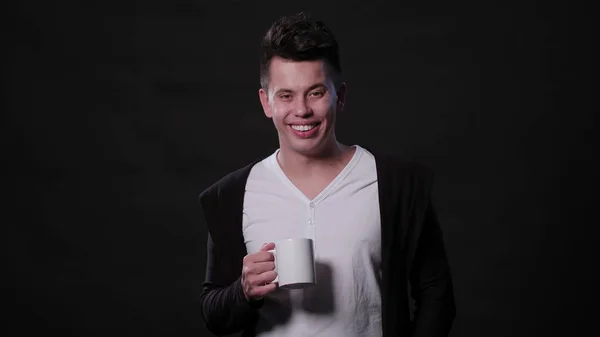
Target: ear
(341, 96)
(264, 101)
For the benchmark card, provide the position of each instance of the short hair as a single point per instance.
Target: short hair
(299, 38)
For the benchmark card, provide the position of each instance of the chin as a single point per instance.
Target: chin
(309, 148)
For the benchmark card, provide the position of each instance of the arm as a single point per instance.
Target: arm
(223, 304)
(224, 307)
(431, 282)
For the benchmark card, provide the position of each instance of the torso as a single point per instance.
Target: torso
(342, 217)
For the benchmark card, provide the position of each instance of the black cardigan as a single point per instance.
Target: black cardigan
(412, 254)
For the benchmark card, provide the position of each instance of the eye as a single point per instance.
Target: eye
(285, 97)
(317, 93)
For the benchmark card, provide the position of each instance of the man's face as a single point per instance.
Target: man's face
(302, 102)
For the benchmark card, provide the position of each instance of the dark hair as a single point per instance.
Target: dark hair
(299, 38)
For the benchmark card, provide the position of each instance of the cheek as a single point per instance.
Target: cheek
(279, 110)
(323, 109)
(278, 115)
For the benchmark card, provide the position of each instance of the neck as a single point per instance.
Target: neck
(298, 164)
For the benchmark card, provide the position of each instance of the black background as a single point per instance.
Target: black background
(118, 113)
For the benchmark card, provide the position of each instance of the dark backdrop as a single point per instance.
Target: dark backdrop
(118, 113)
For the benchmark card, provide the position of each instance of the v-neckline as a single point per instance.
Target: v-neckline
(328, 189)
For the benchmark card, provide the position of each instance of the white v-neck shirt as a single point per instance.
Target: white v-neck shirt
(344, 223)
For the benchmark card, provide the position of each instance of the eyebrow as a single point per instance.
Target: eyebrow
(312, 87)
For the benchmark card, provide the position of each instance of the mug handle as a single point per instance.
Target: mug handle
(274, 252)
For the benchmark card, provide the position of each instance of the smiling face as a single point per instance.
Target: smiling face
(302, 102)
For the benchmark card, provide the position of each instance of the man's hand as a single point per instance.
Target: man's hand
(258, 272)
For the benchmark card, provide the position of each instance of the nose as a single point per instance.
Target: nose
(300, 108)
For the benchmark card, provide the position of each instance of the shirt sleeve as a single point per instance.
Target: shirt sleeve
(224, 307)
(431, 281)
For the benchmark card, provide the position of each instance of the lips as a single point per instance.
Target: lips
(303, 127)
(304, 130)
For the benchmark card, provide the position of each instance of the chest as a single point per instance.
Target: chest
(344, 225)
(313, 186)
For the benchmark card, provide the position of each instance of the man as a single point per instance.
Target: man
(375, 231)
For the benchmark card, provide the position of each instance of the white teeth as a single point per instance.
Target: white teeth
(303, 127)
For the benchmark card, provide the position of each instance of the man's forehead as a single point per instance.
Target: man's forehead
(279, 61)
(301, 88)
(297, 69)
(297, 75)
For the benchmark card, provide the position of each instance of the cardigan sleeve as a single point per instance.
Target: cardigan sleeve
(431, 281)
(224, 307)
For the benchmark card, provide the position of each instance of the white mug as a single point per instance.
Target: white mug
(294, 261)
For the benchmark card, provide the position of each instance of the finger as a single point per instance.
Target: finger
(255, 280)
(268, 277)
(260, 267)
(257, 268)
(267, 247)
(260, 291)
(261, 257)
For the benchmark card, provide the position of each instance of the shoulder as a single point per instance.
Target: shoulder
(229, 183)
(406, 180)
(402, 167)
(404, 175)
